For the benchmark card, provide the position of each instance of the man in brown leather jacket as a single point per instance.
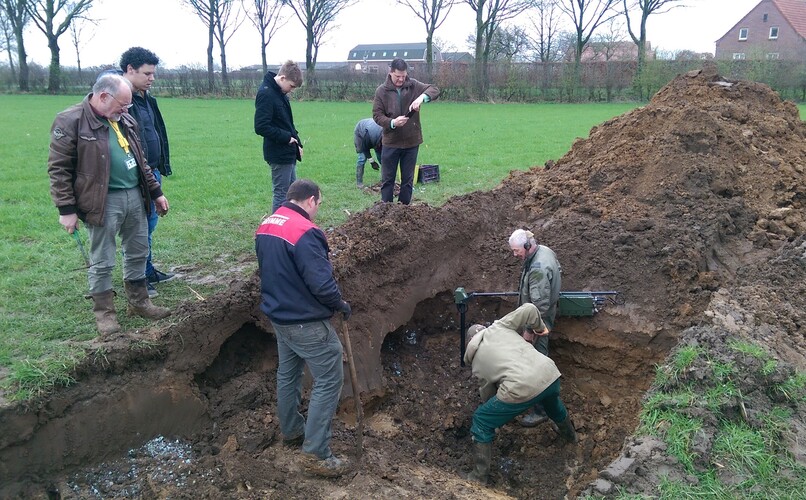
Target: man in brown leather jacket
(98, 174)
(397, 110)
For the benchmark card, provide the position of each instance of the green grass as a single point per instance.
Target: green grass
(219, 192)
(682, 360)
(745, 461)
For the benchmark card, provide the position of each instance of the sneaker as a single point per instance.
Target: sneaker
(359, 185)
(294, 442)
(152, 292)
(332, 466)
(159, 277)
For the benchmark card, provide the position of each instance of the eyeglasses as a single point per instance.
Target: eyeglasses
(127, 106)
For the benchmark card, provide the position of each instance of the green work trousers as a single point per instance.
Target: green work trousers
(494, 413)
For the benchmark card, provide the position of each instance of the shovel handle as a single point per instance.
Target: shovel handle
(359, 410)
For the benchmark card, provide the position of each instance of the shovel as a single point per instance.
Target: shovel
(82, 250)
(359, 411)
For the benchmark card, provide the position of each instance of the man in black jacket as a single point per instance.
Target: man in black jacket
(282, 147)
(139, 67)
(299, 295)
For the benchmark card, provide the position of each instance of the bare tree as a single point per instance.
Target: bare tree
(444, 45)
(206, 10)
(79, 37)
(267, 18)
(509, 44)
(316, 16)
(17, 15)
(587, 15)
(546, 24)
(489, 16)
(605, 45)
(221, 25)
(432, 13)
(53, 18)
(7, 43)
(225, 26)
(645, 8)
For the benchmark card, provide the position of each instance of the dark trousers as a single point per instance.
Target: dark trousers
(494, 413)
(390, 158)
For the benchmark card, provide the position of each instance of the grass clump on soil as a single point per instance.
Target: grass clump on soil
(29, 378)
(219, 192)
(729, 442)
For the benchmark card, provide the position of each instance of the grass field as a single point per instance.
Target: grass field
(218, 193)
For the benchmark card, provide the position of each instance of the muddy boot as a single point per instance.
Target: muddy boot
(104, 309)
(331, 466)
(536, 416)
(139, 302)
(567, 431)
(482, 454)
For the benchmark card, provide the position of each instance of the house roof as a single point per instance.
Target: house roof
(457, 56)
(795, 13)
(404, 50)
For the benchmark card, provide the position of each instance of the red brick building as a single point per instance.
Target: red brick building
(773, 29)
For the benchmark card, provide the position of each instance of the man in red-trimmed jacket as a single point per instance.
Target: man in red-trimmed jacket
(300, 295)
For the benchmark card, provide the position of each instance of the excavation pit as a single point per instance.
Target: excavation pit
(607, 364)
(422, 418)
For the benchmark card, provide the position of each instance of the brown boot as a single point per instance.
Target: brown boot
(482, 455)
(139, 302)
(104, 309)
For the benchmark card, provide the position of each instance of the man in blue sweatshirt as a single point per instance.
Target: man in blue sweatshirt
(300, 295)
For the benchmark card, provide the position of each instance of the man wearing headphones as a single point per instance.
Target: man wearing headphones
(540, 282)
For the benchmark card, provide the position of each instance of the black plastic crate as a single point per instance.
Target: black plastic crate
(428, 173)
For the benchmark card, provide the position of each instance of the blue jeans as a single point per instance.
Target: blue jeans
(282, 175)
(359, 167)
(317, 345)
(390, 157)
(494, 413)
(153, 218)
(124, 215)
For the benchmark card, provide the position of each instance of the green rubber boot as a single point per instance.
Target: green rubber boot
(482, 455)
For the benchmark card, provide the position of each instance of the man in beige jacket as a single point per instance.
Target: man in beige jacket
(513, 377)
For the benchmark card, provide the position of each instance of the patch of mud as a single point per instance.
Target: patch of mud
(692, 207)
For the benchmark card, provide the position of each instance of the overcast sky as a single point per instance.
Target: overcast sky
(178, 37)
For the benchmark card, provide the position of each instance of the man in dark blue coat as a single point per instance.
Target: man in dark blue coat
(139, 66)
(299, 295)
(282, 147)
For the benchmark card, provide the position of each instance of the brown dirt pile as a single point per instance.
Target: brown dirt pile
(692, 207)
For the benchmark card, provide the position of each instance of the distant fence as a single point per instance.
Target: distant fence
(513, 82)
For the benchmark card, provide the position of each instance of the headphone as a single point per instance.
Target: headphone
(528, 244)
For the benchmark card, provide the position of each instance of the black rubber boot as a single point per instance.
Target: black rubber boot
(482, 455)
(567, 431)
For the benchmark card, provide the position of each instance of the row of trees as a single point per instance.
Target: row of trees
(507, 81)
(549, 23)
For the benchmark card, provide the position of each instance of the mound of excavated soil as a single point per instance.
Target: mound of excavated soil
(691, 207)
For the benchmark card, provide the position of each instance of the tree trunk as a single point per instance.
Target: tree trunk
(55, 76)
(22, 62)
(429, 55)
(263, 45)
(310, 60)
(224, 76)
(210, 73)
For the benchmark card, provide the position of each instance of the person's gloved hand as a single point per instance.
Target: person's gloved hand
(345, 309)
(374, 165)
